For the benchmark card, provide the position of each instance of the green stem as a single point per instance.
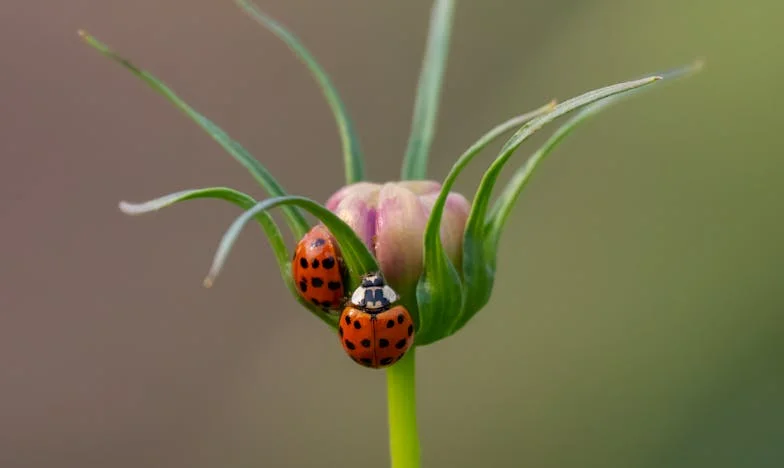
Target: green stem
(401, 393)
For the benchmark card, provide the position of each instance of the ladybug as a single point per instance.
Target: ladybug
(318, 269)
(373, 330)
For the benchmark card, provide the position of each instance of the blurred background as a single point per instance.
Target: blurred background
(636, 319)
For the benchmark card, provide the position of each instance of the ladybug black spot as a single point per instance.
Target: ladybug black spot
(303, 286)
(350, 345)
(328, 263)
(365, 343)
(357, 325)
(410, 330)
(317, 282)
(383, 343)
(341, 331)
(401, 344)
(315, 263)
(400, 318)
(385, 361)
(318, 242)
(303, 262)
(334, 285)
(366, 361)
(348, 320)
(390, 323)
(315, 301)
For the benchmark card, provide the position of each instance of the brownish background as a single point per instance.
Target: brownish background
(637, 319)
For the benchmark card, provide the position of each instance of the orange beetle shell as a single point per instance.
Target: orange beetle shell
(317, 269)
(376, 340)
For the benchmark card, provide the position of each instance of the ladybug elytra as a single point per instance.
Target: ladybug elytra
(318, 269)
(373, 330)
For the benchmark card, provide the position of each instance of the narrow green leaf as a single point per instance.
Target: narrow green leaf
(352, 155)
(506, 201)
(429, 91)
(246, 202)
(478, 269)
(503, 206)
(358, 258)
(295, 219)
(439, 291)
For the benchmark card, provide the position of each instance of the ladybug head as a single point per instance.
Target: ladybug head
(373, 280)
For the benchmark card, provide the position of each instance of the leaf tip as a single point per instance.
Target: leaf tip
(685, 70)
(134, 209)
(215, 269)
(128, 208)
(90, 40)
(87, 37)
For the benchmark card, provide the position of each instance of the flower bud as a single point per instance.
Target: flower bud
(391, 219)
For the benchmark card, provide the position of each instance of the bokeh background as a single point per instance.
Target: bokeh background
(637, 316)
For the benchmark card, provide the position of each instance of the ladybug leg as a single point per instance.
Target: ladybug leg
(344, 278)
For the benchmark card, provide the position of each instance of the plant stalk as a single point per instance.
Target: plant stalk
(401, 396)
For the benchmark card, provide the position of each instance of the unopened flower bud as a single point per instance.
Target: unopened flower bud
(391, 219)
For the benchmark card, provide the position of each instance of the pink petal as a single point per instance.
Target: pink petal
(400, 227)
(364, 190)
(361, 217)
(453, 223)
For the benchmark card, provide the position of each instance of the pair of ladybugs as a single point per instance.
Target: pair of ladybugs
(374, 330)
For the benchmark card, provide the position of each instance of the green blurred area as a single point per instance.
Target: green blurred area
(637, 314)
(637, 319)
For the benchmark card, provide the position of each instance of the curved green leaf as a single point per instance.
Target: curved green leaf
(246, 202)
(503, 206)
(478, 269)
(440, 291)
(356, 255)
(428, 91)
(352, 156)
(295, 219)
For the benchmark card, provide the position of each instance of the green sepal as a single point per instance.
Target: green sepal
(352, 155)
(429, 87)
(439, 295)
(439, 290)
(358, 259)
(246, 202)
(294, 218)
